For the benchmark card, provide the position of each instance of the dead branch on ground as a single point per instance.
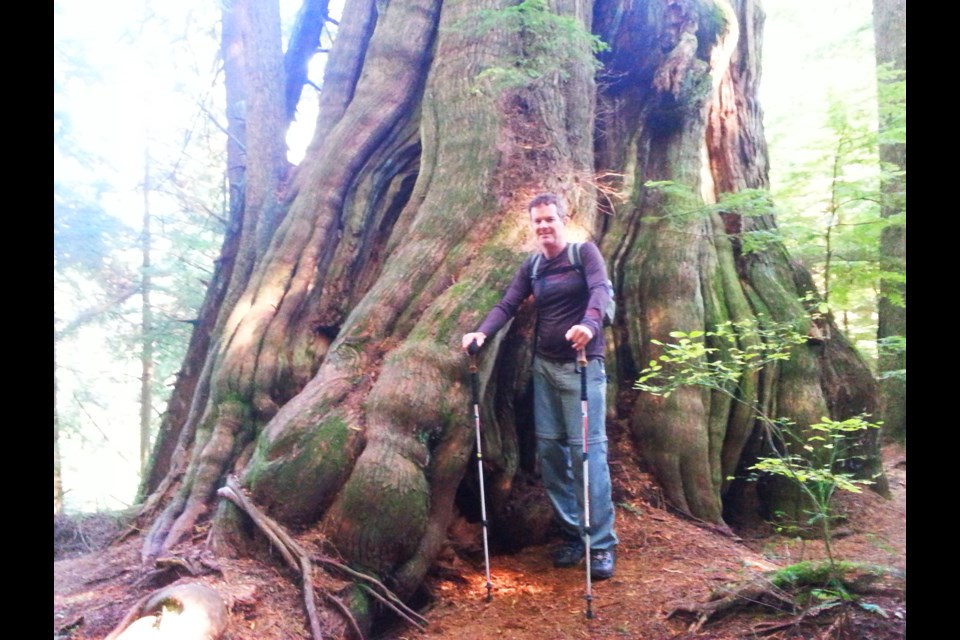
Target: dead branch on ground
(780, 590)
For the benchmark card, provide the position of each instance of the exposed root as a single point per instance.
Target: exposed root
(309, 599)
(757, 591)
(153, 541)
(812, 612)
(385, 595)
(294, 555)
(346, 614)
(779, 590)
(301, 562)
(420, 623)
(178, 460)
(170, 568)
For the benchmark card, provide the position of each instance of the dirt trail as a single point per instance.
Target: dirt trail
(662, 559)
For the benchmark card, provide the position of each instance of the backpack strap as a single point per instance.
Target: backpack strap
(573, 255)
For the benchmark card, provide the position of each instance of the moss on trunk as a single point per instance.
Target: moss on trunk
(336, 388)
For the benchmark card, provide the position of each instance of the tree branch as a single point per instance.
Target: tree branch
(304, 43)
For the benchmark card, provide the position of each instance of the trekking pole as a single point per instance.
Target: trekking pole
(582, 361)
(475, 391)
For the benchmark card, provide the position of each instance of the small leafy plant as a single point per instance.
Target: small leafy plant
(811, 458)
(815, 472)
(692, 360)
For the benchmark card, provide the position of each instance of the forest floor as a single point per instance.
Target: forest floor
(663, 559)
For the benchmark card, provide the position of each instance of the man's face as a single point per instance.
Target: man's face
(549, 228)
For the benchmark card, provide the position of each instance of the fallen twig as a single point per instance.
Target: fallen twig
(776, 625)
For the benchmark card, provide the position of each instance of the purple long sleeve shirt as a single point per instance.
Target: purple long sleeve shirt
(562, 297)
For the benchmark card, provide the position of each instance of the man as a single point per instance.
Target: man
(570, 302)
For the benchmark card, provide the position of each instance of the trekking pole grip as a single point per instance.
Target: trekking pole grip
(472, 349)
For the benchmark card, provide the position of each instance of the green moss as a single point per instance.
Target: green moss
(408, 504)
(304, 470)
(232, 398)
(329, 436)
(468, 297)
(449, 415)
(821, 573)
(383, 532)
(505, 263)
(711, 25)
(550, 45)
(359, 602)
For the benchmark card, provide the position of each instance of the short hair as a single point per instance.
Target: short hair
(548, 198)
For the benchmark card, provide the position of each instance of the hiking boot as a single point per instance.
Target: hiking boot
(602, 562)
(568, 553)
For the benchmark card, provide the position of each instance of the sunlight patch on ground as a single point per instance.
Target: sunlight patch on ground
(505, 582)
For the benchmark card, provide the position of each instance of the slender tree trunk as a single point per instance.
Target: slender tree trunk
(57, 472)
(146, 324)
(890, 29)
(304, 43)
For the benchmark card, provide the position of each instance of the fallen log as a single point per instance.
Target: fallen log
(189, 611)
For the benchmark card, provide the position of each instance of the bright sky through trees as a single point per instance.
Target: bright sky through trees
(812, 50)
(129, 78)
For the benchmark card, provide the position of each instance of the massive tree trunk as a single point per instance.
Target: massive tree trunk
(680, 106)
(333, 385)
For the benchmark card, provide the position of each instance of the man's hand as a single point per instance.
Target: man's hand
(579, 336)
(470, 337)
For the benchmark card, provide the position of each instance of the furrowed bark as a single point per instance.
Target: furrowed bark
(335, 386)
(679, 105)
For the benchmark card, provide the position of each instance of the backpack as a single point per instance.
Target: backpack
(573, 255)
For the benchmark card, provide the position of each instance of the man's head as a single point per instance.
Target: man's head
(548, 218)
(545, 199)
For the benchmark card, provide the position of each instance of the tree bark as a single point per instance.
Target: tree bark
(57, 468)
(304, 43)
(890, 30)
(693, 119)
(333, 384)
(255, 172)
(146, 323)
